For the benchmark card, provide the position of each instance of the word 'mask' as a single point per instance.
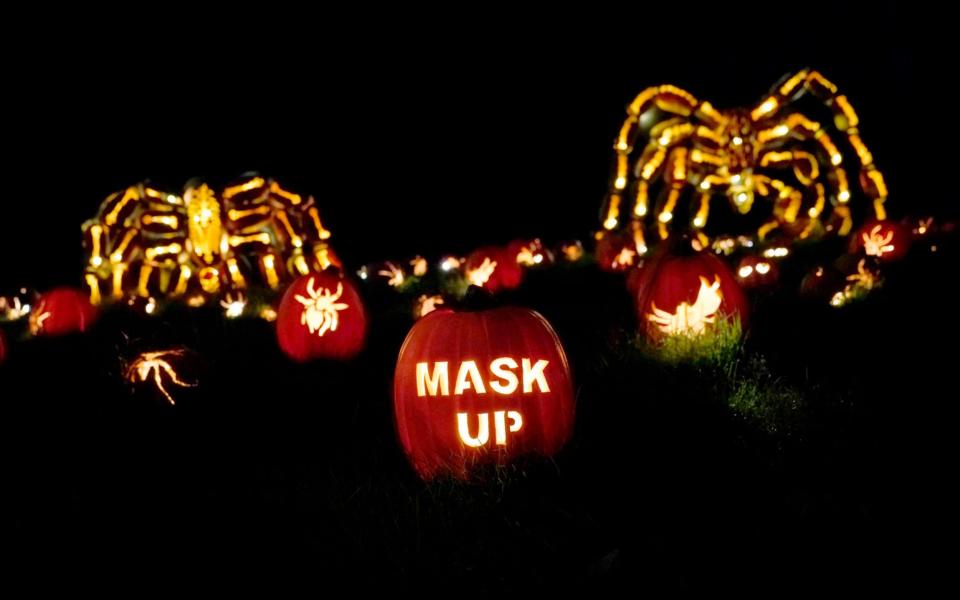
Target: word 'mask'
(502, 377)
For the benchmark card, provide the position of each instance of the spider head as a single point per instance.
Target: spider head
(203, 213)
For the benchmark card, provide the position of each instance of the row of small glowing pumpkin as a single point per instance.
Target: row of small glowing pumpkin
(698, 288)
(458, 409)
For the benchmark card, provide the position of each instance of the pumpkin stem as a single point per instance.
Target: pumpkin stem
(476, 298)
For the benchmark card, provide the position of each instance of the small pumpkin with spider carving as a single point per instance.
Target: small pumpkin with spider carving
(321, 316)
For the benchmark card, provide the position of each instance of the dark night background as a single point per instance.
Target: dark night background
(425, 133)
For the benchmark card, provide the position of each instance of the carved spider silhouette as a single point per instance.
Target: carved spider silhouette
(321, 309)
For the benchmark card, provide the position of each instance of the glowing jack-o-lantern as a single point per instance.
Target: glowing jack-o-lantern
(883, 240)
(61, 311)
(617, 253)
(687, 295)
(757, 272)
(530, 253)
(493, 269)
(321, 316)
(481, 387)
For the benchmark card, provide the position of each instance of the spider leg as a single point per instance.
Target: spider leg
(845, 119)
(797, 126)
(173, 375)
(673, 101)
(136, 229)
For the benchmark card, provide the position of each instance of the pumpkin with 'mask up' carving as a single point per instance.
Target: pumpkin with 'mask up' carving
(487, 386)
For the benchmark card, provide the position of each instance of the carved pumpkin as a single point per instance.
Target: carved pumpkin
(481, 387)
(493, 269)
(687, 295)
(616, 253)
(321, 316)
(61, 311)
(883, 240)
(530, 253)
(822, 282)
(757, 272)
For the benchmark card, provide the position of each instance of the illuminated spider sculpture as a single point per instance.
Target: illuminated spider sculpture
(693, 151)
(145, 242)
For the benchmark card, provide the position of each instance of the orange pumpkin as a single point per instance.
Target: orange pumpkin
(616, 252)
(61, 311)
(480, 387)
(493, 268)
(686, 294)
(757, 272)
(321, 315)
(883, 240)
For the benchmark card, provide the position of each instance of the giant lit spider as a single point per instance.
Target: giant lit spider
(771, 150)
(145, 242)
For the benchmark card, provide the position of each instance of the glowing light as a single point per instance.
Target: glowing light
(321, 311)
(530, 255)
(151, 306)
(737, 140)
(481, 275)
(625, 257)
(864, 278)
(233, 306)
(763, 268)
(776, 252)
(267, 313)
(610, 223)
(196, 301)
(419, 265)
(156, 365)
(924, 226)
(665, 217)
(428, 304)
(745, 271)
(449, 263)
(362, 273)
(620, 182)
(742, 198)
(572, 252)
(768, 106)
(393, 274)
(13, 309)
(843, 196)
(690, 319)
(875, 243)
(724, 245)
(704, 185)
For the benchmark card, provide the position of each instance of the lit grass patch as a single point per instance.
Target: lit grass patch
(755, 394)
(718, 346)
